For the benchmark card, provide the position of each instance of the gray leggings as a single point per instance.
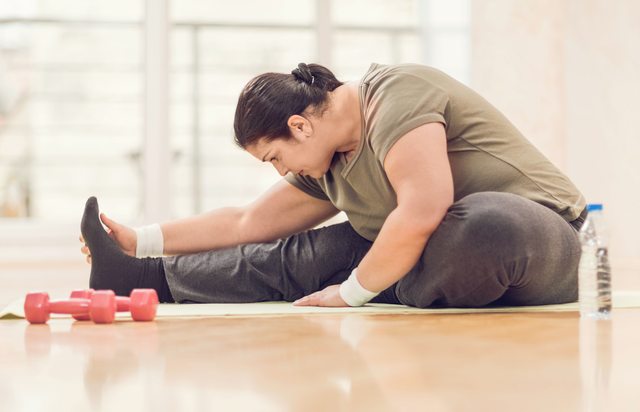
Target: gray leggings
(490, 249)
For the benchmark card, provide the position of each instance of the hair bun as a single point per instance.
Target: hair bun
(303, 73)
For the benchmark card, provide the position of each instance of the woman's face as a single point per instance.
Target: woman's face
(306, 153)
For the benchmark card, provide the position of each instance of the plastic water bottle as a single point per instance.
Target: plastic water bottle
(594, 272)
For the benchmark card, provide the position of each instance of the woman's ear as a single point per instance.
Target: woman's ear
(300, 127)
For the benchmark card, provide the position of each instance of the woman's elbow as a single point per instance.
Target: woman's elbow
(424, 222)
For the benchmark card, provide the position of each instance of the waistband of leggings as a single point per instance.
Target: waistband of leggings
(579, 221)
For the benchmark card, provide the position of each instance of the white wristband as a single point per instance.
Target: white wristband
(352, 292)
(149, 241)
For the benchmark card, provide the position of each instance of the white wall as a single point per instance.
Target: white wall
(602, 106)
(567, 74)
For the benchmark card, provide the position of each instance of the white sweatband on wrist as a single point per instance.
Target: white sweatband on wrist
(149, 241)
(352, 292)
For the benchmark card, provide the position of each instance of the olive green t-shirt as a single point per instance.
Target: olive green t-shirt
(486, 152)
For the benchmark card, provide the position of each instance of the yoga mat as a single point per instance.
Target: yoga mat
(626, 299)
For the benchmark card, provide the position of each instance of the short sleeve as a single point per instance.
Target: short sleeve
(398, 102)
(308, 185)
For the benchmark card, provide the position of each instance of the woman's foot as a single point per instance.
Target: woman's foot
(111, 268)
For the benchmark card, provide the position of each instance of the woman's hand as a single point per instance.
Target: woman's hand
(329, 296)
(124, 236)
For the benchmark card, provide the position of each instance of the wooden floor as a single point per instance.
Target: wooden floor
(325, 362)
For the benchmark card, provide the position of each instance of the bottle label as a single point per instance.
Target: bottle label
(603, 280)
(594, 281)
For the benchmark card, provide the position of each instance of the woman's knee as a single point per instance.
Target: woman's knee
(488, 243)
(493, 221)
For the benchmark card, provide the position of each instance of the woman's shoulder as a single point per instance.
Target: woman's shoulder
(402, 87)
(405, 82)
(398, 98)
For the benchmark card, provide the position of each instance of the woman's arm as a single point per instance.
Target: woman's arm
(280, 212)
(418, 168)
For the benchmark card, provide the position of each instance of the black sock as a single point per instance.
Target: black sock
(111, 268)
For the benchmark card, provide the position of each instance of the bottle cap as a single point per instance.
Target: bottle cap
(592, 207)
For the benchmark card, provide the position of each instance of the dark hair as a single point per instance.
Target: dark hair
(268, 100)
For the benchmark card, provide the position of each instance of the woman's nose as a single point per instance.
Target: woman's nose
(281, 170)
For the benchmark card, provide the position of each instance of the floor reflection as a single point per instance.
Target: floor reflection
(317, 362)
(595, 363)
(240, 362)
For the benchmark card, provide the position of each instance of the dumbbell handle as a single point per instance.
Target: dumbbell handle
(123, 303)
(80, 306)
(72, 306)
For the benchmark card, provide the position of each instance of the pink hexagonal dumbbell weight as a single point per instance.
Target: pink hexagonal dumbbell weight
(142, 303)
(101, 307)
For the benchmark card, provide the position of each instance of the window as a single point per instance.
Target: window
(70, 106)
(72, 92)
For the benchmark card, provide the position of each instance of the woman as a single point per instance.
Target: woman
(448, 204)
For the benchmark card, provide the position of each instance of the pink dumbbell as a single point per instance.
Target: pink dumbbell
(142, 303)
(101, 307)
